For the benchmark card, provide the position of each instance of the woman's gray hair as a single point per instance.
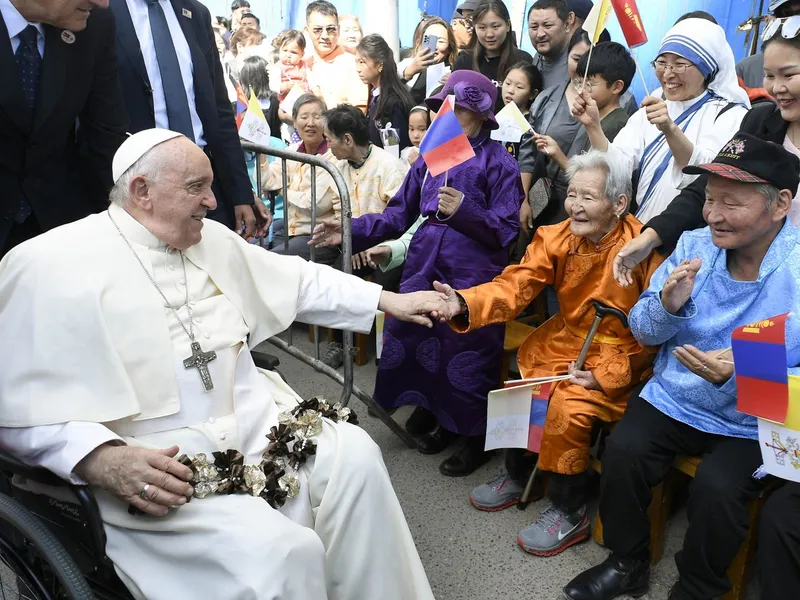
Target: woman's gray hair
(149, 165)
(618, 178)
(307, 99)
(771, 194)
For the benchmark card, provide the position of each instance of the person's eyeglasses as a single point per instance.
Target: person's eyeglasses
(789, 26)
(465, 23)
(578, 84)
(330, 30)
(661, 67)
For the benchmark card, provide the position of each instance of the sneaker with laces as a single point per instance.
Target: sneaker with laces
(334, 356)
(554, 532)
(498, 493)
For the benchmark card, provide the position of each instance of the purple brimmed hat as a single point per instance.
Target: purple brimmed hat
(473, 91)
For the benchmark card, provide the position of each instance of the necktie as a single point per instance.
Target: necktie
(180, 119)
(29, 63)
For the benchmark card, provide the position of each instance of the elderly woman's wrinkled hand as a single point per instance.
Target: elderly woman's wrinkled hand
(150, 480)
(325, 234)
(453, 304)
(416, 307)
(449, 201)
(657, 113)
(585, 110)
(711, 366)
(585, 379)
(679, 285)
(633, 253)
(372, 258)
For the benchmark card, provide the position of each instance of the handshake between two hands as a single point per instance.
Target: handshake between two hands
(423, 308)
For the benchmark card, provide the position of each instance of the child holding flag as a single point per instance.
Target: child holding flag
(473, 217)
(521, 86)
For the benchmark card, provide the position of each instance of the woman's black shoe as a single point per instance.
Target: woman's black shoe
(421, 421)
(611, 578)
(435, 441)
(468, 458)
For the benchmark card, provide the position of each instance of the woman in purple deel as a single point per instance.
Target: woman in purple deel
(464, 242)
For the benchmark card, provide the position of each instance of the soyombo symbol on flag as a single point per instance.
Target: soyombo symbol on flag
(445, 145)
(762, 383)
(631, 22)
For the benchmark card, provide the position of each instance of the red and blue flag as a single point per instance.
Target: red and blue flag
(445, 145)
(762, 381)
(241, 105)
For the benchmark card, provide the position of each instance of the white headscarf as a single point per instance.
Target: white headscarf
(704, 44)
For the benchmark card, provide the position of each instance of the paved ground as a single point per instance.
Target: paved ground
(468, 554)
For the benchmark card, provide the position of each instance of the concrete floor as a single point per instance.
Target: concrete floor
(468, 554)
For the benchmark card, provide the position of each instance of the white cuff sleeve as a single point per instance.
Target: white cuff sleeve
(57, 448)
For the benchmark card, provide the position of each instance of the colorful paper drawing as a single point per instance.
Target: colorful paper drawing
(759, 354)
(516, 416)
(780, 450)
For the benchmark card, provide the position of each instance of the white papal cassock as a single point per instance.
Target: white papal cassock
(91, 354)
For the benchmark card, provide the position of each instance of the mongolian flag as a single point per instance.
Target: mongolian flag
(241, 105)
(631, 22)
(762, 382)
(445, 145)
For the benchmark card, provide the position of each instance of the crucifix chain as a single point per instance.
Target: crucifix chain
(199, 359)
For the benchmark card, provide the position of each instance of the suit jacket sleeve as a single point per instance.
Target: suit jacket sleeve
(103, 121)
(229, 164)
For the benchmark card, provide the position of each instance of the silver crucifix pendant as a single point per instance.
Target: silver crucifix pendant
(198, 360)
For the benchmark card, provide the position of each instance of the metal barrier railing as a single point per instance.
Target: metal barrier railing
(345, 380)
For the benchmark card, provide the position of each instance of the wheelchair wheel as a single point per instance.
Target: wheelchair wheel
(33, 563)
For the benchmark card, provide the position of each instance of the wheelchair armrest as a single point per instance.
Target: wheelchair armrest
(265, 361)
(16, 466)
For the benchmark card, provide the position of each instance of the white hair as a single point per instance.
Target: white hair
(149, 165)
(618, 179)
(771, 194)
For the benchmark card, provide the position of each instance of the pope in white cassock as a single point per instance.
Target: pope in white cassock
(97, 320)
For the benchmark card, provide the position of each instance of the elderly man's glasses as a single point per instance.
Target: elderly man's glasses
(330, 30)
(789, 26)
(678, 68)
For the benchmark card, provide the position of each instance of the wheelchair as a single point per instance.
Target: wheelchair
(52, 546)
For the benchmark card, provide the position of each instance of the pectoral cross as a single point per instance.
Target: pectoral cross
(198, 360)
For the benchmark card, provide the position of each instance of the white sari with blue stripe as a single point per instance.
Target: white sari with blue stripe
(642, 146)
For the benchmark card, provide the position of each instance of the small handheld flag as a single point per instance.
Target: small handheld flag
(516, 415)
(762, 384)
(595, 22)
(254, 127)
(512, 124)
(241, 105)
(631, 22)
(445, 145)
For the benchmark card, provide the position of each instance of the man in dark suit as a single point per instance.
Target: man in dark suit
(172, 78)
(61, 114)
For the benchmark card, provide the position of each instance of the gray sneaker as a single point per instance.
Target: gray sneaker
(554, 532)
(498, 493)
(334, 356)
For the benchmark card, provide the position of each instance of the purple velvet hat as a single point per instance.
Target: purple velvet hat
(473, 91)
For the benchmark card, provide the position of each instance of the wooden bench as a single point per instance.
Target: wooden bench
(659, 511)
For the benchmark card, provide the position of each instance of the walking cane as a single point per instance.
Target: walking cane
(600, 312)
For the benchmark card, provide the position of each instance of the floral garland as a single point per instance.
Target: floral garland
(275, 478)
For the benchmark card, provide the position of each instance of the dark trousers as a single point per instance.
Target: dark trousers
(13, 233)
(567, 492)
(638, 456)
(779, 544)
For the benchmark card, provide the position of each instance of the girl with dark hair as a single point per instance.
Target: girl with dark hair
(390, 100)
(414, 70)
(496, 48)
(254, 78)
(521, 86)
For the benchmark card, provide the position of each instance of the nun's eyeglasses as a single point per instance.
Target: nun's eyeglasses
(788, 26)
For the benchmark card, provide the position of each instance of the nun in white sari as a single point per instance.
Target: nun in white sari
(699, 108)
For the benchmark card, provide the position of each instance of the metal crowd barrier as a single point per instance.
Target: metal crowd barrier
(346, 381)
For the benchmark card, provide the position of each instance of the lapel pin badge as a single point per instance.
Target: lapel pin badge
(186, 13)
(67, 37)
